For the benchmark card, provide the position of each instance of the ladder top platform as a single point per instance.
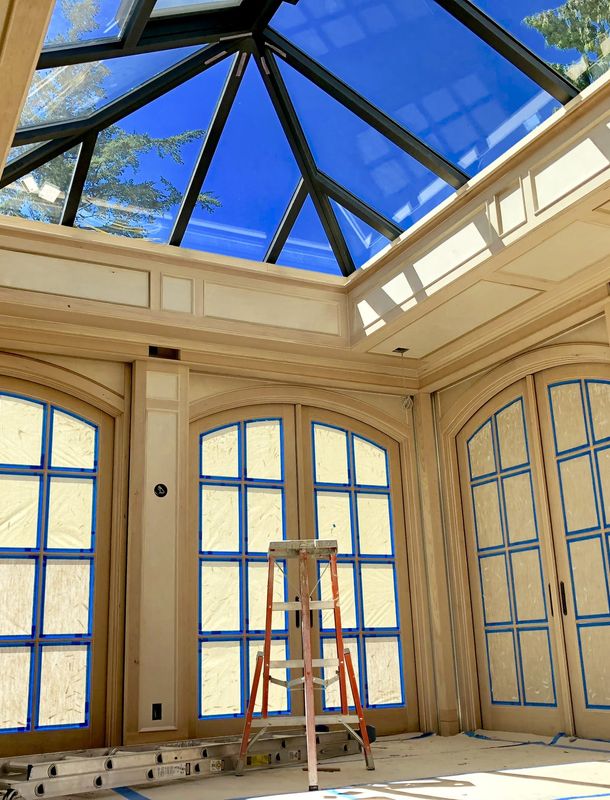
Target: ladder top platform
(290, 548)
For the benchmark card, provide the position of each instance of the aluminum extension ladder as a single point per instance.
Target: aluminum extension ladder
(319, 550)
(91, 771)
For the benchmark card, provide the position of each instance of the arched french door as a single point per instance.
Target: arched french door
(535, 477)
(283, 471)
(55, 479)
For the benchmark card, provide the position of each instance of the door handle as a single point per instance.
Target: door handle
(297, 613)
(564, 604)
(551, 601)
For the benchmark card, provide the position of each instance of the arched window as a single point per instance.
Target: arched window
(48, 488)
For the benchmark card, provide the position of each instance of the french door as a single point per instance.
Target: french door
(55, 479)
(535, 474)
(284, 471)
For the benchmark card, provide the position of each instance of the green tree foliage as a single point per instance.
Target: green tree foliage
(582, 25)
(116, 198)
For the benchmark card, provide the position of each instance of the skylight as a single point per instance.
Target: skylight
(307, 133)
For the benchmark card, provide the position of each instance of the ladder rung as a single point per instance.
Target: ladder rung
(298, 663)
(287, 722)
(295, 605)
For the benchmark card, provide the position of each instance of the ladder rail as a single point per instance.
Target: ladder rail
(334, 582)
(310, 710)
(268, 626)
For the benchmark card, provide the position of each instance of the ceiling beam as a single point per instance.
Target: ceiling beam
(210, 143)
(136, 23)
(512, 49)
(113, 112)
(282, 103)
(367, 214)
(283, 230)
(77, 184)
(367, 112)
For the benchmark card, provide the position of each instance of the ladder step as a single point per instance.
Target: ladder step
(298, 663)
(295, 605)
(290, 548)
(287, 722)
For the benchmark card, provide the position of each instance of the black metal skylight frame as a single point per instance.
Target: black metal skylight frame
(243, 32)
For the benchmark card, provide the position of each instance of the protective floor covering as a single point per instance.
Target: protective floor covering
(463, 767)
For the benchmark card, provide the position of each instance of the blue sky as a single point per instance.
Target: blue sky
(412, 59)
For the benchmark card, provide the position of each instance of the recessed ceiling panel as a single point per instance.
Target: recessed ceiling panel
(307, 246)
(569, 251)
(252, 178)
(142, 165)
(425, 69)
(86, 21)
(464, 313)
(77, 90)
(361, 159)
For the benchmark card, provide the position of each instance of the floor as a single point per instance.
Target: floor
(464, 767)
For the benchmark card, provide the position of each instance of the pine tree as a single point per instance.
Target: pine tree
(582, 25)
(115, 198)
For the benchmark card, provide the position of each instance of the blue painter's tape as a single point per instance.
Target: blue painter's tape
(130, 794)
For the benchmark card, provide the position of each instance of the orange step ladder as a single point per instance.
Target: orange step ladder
(318, 550)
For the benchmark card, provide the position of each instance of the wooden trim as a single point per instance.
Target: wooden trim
(31, 369)
(456, 416)
(331, 401)
(421, 607)
(118, 561)
(425, 467)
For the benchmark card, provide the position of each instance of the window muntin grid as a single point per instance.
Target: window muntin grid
(349, 472)
(515, 616)
(48, 499)
(242, 508)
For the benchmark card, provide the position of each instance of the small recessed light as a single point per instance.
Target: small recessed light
(401, 350)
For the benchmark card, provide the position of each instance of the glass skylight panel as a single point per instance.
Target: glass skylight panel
(361, 159)
(164, 7)
(41, 194)
(142, 165)
(363, 241)
(426, 70)
(557, 32)
(307, 246)
(77, 90)
(21, 150)
(78, 22)
(253, 175)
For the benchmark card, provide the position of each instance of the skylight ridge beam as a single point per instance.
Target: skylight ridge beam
(367, 214)
(286, 225)
(137, 23)
(300, 149)
(77, 184)
(210, 144)
(52, 130)
(122, 107)
(510, 48)
(369, 113)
